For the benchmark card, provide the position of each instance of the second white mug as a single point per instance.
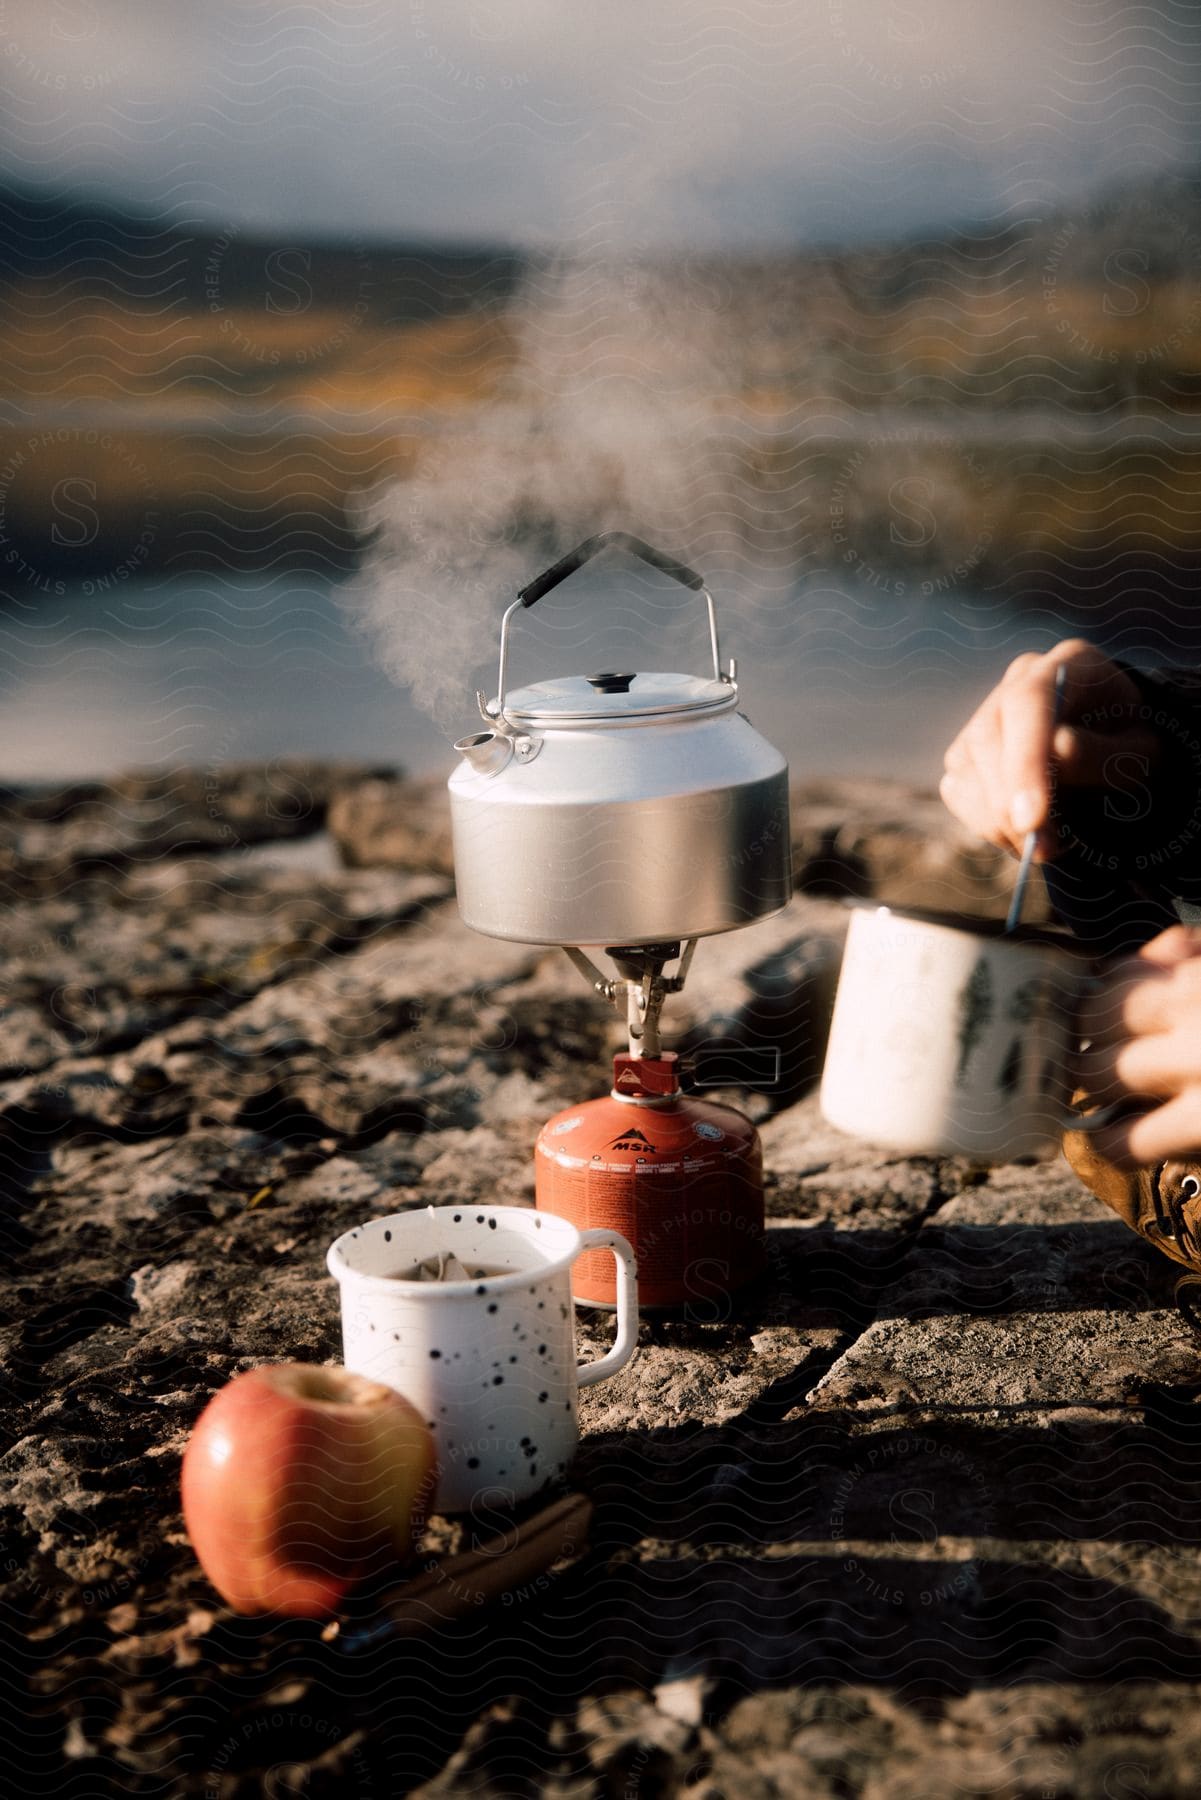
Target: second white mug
(951, 1038)
(489, 1362)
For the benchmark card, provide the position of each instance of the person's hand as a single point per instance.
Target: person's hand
(1001, 768)
(1142, 1028)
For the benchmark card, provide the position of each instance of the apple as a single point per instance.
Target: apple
(297, 1480)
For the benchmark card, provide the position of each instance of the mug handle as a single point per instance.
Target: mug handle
(627, 1306)
(1100, 1116)
(1096, 1120)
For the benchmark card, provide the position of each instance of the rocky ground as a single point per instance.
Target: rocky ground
(920, 1520)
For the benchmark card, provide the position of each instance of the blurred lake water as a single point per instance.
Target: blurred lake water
(201, 669)
(967, 444)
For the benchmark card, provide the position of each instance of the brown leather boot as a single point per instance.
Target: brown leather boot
(1163, 1203)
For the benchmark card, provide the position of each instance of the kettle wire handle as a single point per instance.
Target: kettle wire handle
(534, 590)
(607, 540)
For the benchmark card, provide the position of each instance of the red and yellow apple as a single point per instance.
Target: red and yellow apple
(297, 1480)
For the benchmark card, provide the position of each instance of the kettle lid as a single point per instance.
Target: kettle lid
(616, 696)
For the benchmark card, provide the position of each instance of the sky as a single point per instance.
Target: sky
(628, 121)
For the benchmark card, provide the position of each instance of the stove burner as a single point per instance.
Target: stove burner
(643, 986)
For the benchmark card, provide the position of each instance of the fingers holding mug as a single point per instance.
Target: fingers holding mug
(1141, 1051)
(1156, 991)
(1157, 1066)
(1146, 1138)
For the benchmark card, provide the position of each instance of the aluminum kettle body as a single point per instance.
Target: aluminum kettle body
(619, 808)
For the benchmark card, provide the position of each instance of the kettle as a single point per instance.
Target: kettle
(624, 807)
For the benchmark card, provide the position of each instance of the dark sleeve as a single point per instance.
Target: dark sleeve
(1129, 862)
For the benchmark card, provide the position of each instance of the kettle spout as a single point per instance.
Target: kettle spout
(487, 751)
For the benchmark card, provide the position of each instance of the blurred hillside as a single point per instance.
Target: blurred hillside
(173, 399)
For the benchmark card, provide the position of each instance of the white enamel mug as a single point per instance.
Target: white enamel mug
(490, 1363)
(951, 1038)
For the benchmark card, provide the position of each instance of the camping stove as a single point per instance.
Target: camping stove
(679, 1177)
(639, 811)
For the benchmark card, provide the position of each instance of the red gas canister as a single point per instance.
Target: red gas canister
(680, 1178)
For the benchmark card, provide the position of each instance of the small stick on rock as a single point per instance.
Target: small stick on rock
(462, 1584)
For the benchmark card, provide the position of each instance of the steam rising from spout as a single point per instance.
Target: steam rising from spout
(624, 409)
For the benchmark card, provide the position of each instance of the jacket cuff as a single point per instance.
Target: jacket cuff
(1144, 823)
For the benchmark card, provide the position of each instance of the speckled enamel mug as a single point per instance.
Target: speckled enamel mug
(950, 1037)
(490, 1362)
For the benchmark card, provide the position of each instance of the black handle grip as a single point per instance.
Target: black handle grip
(607, 540)
(733, 1065)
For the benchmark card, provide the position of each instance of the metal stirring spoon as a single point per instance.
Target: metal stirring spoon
(1031, 840)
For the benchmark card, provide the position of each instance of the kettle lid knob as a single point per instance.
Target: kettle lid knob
(610, 683)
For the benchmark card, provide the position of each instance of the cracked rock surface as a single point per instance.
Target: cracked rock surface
(920, 1518)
